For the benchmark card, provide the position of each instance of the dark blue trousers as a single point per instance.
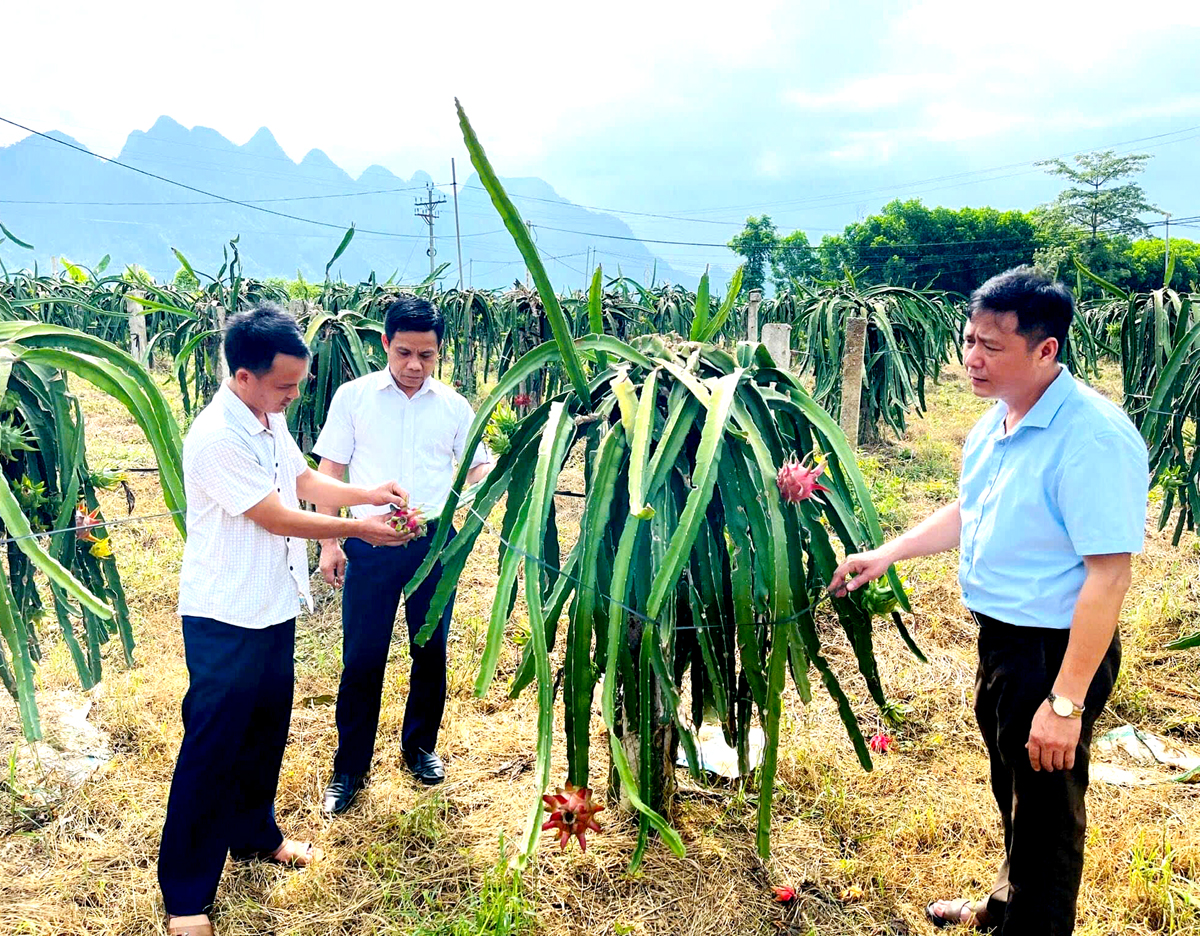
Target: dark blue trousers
(371, 593)
(236, 716)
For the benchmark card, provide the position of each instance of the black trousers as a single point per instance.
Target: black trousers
(371, 593)
(236, 715)
(1045, 821)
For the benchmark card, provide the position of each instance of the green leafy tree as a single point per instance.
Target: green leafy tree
(1147, 263)
(1098, 202)
(185, 280)
(908, 244)
(794, 259)
(757, 243)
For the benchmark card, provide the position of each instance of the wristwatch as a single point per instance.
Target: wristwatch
(1064, 707)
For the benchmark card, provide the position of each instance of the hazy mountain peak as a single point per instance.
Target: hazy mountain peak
(166, 127)
(263, 143)
(107, 209)
(376, 175)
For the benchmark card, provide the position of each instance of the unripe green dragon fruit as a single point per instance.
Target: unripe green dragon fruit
(500, 428)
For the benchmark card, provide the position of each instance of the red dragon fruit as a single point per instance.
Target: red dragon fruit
(410, 519)
(522, 400)
(572, 812)
(798, 482)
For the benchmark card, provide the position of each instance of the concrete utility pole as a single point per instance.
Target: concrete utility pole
(427, 210)
(458, 235)
(1167, 251)
(529, 228)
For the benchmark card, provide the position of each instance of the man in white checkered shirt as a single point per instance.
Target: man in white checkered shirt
(400, 422)
(245, 572)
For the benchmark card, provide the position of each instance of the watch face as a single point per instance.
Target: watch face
(1061, 706)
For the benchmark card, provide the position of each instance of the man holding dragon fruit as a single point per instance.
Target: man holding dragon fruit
(1052, 503)
(400, 423)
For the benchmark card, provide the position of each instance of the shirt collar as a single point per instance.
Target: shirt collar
(384, 380)
(1049, 403)
(240, 411)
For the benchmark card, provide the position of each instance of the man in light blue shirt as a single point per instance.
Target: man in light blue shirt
(1052, 503)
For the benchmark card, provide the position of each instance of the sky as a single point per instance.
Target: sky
(816, 113)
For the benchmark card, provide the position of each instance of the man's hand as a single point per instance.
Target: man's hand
(1052, 740)
(387, 494)
(333, 563)
(863, 568)
(377, 531)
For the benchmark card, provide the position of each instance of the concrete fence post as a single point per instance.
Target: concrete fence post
(852, 376)
(778, 339)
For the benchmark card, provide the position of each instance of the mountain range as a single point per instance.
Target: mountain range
(73, 204)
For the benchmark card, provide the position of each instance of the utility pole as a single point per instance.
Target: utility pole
(1167, 251)
(427, 210)
(529, 228)
(457, 232)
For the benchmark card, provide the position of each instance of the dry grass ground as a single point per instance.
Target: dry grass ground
(866, 851)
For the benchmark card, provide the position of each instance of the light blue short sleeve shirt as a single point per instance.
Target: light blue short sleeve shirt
(1071, 481)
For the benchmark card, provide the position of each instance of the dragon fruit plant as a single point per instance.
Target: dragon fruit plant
(704, 548)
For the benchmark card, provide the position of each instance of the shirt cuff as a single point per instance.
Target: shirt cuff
(1102, 548)
(250, 499)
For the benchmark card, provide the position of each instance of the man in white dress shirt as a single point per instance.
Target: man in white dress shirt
(245, 571)
(399, 422)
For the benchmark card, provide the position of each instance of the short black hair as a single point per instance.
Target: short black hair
(255, 336)
(1044, 308)
(413, 314)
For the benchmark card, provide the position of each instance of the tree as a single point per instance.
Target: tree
(1095, 204)
(757, 243)
(794, 259)
(185, 281)
(908, 244)
(1147, 265)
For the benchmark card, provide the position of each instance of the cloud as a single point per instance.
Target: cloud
(372, 81)
(870, 93)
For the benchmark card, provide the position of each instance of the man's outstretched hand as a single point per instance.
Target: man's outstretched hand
(858, 570)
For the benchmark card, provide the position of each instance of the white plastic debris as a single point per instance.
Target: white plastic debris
(717, 757)
(1157, 759)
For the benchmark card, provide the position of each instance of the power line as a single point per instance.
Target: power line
(859, 193)
(679, 243)
(174, 204)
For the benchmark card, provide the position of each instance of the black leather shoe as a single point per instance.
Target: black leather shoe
(343, 789)
(426, 767)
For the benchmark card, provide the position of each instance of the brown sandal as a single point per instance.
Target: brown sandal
(954, 915)
(200, 925)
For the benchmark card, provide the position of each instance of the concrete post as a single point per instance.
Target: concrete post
(222, 366)
(852, 376)
(752, 314)
(137, 325)
(778, 339)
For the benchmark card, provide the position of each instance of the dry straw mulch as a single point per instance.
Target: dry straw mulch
(865, 851)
